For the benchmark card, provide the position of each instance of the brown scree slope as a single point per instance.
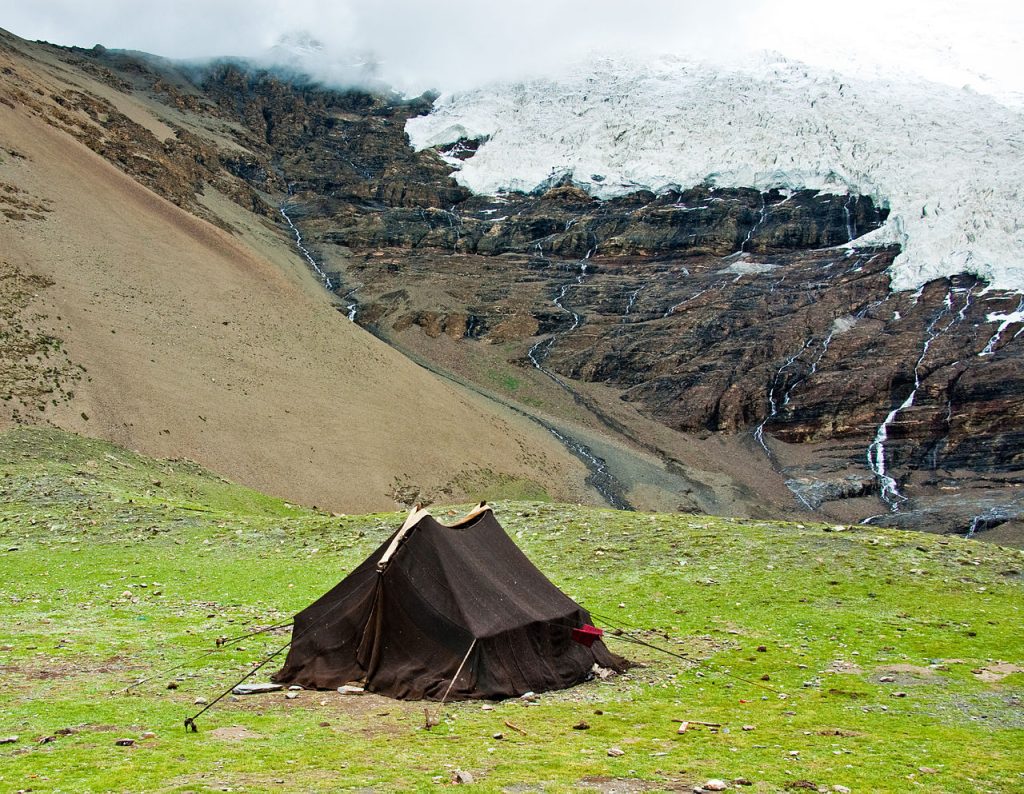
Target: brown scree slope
(223, 348)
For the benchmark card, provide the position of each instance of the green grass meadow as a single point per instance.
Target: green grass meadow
(824, 656)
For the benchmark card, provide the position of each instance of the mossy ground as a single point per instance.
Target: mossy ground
(116, 567)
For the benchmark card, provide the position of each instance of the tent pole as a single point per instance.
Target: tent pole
(455, 677)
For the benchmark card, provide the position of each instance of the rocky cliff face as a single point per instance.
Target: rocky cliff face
(709, 311)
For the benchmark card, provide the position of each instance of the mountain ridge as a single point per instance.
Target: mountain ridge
(722, 349)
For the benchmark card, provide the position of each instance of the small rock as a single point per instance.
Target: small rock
(498, 736)
(841, 789)
(349, 689)
(715, 785)
(291, 695)
(581, 726)
(462, 778)
(200, 701)
(295, 688)
(762, 648)
(124, 742)
(887, 679)
(749, 727)
(8, 739)
(927, 770)
(615, 752)
(487, 707)
(683, 727)
(899, 694)
(742, 781)
(794, 753)
(172, 685)
(149, 735)
(528, 696)
(766, 677)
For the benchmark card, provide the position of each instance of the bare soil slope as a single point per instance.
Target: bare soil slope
(149, 327)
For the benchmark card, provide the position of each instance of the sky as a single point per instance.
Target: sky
(458, 44)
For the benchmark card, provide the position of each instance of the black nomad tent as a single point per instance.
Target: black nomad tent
(440, 612)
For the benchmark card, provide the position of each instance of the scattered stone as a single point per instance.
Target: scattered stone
(325, 724)
(742, 781)
(149, 735)
(291, 695)
(172, 685)
(349, 689)
(124, 742)
(499, 736)
(529, 697)
(462, 778)
(762, 648)
(487, 707)
(749, 727)
(615, 752)
(899, 694)
(927, 770)
(295, 688)
(581, 726)
(715, 785)
(256, 689)
(841, 789)
(200, 701)
(8, 739)
(766, 677)
(887, 679)
(683, 726)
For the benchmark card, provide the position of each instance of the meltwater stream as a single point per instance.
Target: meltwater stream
(351, 306)
(601, 479)
(889, 490)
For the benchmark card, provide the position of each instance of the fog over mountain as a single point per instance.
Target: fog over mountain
(456, 44)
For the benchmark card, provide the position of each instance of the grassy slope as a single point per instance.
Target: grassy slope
(116, 566)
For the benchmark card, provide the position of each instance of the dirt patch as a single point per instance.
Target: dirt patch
(906, 675)
(234, 733)
(374, 715)
(996, 672)
(622, 785)
(911, 669)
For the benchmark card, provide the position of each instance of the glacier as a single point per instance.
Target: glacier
(947, 162)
